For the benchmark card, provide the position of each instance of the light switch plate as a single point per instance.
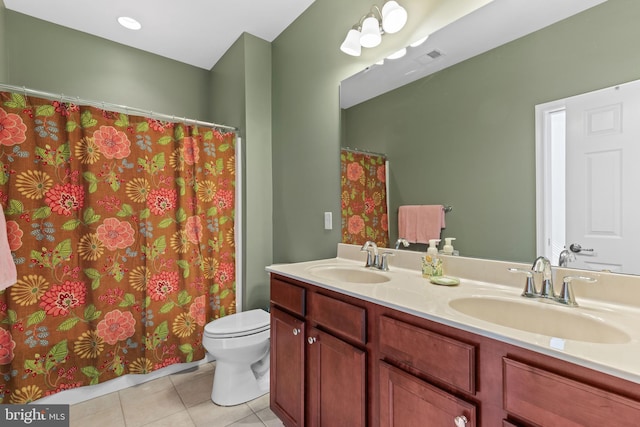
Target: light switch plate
(328, 221)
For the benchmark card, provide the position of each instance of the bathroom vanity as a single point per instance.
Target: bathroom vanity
(388, 349)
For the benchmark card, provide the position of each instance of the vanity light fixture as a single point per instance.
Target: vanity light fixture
(419, 42)
(394, 17)
(129, 23)
(398, 54)
(351, 44)
(369, 30)
(370, 36)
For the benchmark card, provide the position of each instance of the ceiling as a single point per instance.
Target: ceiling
(488, 27)
(195, 32)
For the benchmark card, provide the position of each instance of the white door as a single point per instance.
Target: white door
(603, 178)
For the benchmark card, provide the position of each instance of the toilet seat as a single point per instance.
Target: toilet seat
(239, 324)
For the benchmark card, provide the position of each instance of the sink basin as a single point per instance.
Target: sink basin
(540, 318)
(348, 274)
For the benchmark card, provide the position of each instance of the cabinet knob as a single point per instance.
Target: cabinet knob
(460, 421)
(311, 340)
(296, 331)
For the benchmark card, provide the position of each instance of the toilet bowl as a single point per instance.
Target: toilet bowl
(240, 344)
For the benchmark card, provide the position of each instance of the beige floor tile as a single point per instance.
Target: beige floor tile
(149, 387)
(108, 416)
(208, 414)
(269, 418)
(260, 403)
(195, 388)
(187, 375)
(144, 407)
(179, 419)
(250, 421)
(108, 402)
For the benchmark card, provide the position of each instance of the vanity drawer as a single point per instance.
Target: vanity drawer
(442, 358)
(288, 296)
(338, 317)
(406, 400)
(549, 400)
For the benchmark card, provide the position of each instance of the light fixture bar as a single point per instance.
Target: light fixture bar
(369, 30)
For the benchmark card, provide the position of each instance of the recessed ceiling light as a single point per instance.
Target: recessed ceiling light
(129, 23)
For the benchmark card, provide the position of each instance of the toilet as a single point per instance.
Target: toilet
(240, 344)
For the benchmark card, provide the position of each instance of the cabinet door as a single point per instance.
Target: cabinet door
(337, 380)
(407, 401)
(287, 368)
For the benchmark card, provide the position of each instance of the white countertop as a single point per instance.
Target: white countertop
(409, 292)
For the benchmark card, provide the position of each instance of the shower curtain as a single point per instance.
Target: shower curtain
(363, 198)
(122, 230)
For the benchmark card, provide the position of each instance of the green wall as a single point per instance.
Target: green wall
(292, 132)
(466, 136)
(241, 93)
(307, 69)
(52, 58)
(3, 50)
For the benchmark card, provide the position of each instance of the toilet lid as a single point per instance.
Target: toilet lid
(243, 323)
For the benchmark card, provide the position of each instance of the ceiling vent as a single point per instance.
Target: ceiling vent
(429, 56)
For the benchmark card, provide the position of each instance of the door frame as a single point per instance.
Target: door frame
(544, 216)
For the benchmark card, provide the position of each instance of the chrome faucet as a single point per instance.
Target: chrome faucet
(374, 259)
(566, 295)
(403, 242)
(543, 265)
(530, 286)
(565, 256)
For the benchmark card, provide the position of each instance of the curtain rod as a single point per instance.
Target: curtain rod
(357, 150)
(116, 107)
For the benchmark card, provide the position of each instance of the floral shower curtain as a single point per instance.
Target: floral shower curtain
(364, 198)
(122, 230)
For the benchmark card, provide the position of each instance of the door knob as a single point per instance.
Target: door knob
(311, 340)
(296, 331)
(576, 248)
(460, 421)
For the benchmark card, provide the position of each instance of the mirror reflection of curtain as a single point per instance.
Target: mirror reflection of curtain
(364, 198)
(122, 230)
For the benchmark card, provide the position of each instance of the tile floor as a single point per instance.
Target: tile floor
(178, 400)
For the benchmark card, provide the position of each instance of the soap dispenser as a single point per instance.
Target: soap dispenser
(431, 263)
(448, 247)
(433, 247)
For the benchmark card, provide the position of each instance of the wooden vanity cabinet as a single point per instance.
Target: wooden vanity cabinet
(414, 364)
(318, 357)
(288, 338)
(340, 361)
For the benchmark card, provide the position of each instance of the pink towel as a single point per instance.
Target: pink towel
(8, 273)
(420, 223)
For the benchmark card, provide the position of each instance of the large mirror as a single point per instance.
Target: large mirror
(465, 135)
